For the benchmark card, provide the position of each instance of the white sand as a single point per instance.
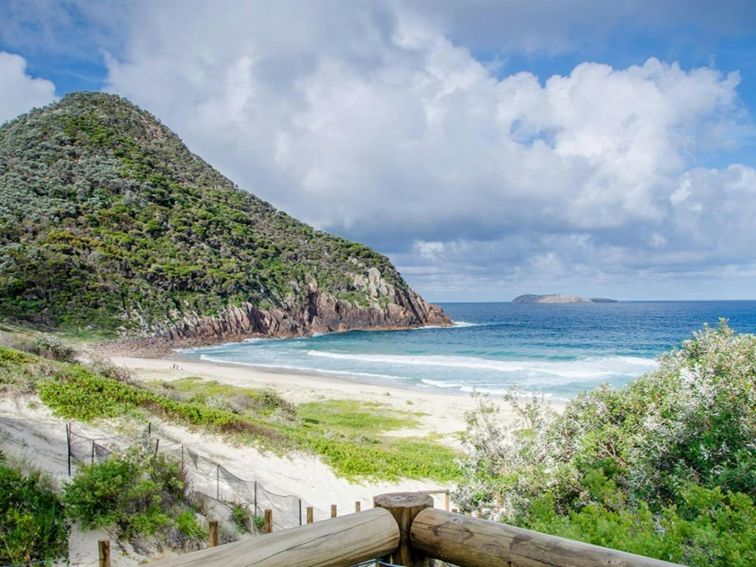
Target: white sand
(446, 413)
(301, 474)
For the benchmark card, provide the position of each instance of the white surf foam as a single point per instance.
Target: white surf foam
(304, 369)
(586, 368)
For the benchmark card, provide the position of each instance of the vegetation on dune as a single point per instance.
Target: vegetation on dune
(108, 222)
(33, 527)
(348, 435)
(664, 467)
(139, 493)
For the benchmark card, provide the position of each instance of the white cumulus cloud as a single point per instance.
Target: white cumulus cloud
(366, 119)
(18, 91)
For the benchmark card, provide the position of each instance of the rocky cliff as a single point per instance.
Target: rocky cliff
(108, 221)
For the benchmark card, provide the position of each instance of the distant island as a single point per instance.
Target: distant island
(560, 298)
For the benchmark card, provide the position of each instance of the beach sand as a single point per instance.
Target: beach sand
(445, 413)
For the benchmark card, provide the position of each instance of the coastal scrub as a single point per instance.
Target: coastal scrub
(665, 466)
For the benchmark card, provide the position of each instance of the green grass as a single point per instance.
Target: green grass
(77, 392)
(348, 435)
(247, 401)
(354, 416)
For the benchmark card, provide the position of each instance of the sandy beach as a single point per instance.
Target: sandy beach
(445, 413)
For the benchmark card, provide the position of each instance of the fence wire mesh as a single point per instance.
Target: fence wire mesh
(205, 476)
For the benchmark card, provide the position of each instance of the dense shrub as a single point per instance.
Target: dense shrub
(45, 345)
(51, 347)
(79, 393)
(139, 493)
(664, 466)
(32, 524)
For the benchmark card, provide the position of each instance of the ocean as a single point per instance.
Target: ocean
(556, 350)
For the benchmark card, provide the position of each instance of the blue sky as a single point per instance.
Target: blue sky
(489, 148)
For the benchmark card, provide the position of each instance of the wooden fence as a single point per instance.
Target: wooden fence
(405, 529)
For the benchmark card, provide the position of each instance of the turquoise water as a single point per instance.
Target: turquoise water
(558, 350)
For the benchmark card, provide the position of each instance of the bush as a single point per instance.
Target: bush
(708, 528)
(241, 517)
(635, 467)
(189, 527)
(32, 524)
(51, 347)
(136, 492)
(47, 346)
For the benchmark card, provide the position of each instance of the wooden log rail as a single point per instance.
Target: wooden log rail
(404, 529)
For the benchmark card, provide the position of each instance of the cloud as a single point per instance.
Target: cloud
(368, 120)
(18, 91)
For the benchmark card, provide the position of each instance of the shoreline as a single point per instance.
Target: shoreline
(441, 414)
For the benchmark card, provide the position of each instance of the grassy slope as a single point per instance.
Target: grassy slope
(108, 221)
(348, 435)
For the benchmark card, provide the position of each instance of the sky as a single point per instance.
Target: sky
(489, 148)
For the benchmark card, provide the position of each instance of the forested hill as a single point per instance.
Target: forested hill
(108, 221)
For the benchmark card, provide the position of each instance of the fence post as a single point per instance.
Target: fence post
(157, 444)
(404, 506)
(91, 460)
(103, 552)
(300, 511)
(333, 510)
(68, 446)
(214, 535)
(255, 498)
(309, 514)
(268, 521)
(357, 506)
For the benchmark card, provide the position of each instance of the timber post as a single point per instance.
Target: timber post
(268, 521)
(68, 446)
(333, 511)
(404, 506)
(310, 514)
(214, 533)
(103, 552)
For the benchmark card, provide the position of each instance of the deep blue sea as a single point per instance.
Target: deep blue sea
(558, 350)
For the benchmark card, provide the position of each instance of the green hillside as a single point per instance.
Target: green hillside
(107, 220)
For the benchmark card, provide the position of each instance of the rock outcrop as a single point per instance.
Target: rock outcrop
(321, 314)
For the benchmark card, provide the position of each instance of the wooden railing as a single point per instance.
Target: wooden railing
(404, 529)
